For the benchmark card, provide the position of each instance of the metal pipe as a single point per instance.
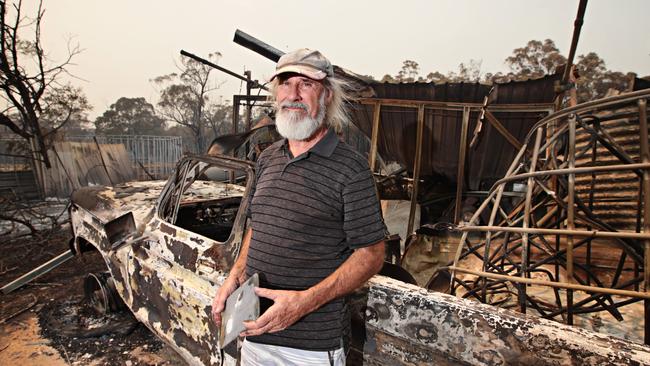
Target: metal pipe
(571, 214)
(593, 233)
(645, 157)
(37, 272)
(526, 223)
(572, 286)
(577, 26)
(255, 45)
(581, 170)
(512, 168)
(454, 106)
(254, 84)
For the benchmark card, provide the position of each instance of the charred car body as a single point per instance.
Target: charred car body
(168, 246)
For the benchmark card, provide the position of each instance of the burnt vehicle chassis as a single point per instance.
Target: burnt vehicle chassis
(169, 246)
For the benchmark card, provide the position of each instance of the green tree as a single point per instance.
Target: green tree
(595, 79)
(130, 116)
(409, 72)
(534, 60)
(467, 72)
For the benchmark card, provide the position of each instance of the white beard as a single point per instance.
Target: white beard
(292, 126)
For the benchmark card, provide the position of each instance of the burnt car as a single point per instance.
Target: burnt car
(168, 246)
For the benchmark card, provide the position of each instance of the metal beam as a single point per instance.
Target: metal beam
(460, 177)
(645, 157)
(592, 233)
(534, 281)
(503, 130)
(375, 135)
(416, 169)
(454, 106)
(37, 272)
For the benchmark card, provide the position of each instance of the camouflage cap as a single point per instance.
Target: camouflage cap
(304, 61)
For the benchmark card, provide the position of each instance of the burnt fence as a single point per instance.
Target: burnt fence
(152, 157)
(83, 160)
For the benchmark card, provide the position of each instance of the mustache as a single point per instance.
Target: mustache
(293, 105)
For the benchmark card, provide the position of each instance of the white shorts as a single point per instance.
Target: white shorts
(256, 354)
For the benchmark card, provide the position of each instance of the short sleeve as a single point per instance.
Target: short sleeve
(363, 223)
(258, 171)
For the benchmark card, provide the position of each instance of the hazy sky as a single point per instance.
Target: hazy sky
(128, 43)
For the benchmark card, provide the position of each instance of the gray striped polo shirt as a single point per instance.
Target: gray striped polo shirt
(308, 214)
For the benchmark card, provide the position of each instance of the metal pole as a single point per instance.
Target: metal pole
(235, 120)
(460, 177)
(571, 215)
(577, 26)
(534, 281)
(477, 213)
(416, 168)
(580, 170)
(526, 223)
(248, 100)
(645, 157)
(542, 231)
(375, 135)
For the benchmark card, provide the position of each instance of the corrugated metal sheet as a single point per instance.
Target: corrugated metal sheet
(18, 184)
(615, 194)
(486, 161)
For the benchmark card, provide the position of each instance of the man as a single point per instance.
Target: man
(316, 230)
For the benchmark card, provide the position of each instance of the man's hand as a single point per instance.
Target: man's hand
(288, 307)
(219, 302)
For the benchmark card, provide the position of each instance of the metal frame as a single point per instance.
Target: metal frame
(554, 221)
(422, 107)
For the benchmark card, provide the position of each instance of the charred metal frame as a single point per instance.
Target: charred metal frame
(466, 108)
(554, 221)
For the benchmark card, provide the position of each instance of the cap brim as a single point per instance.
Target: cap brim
(302, 70)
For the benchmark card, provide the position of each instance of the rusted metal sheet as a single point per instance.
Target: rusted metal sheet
(442, 133)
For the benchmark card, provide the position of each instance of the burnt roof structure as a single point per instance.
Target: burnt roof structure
(453, 132)
(516, 105)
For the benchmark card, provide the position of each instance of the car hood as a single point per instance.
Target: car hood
(108, 203)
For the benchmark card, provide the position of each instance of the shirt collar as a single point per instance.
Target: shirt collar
(325, 147)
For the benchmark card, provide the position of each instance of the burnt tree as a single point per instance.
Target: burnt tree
(35, 103)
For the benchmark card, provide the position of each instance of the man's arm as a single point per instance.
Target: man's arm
(290, 306)
(235, 278)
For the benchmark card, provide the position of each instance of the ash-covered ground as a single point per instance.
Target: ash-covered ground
(48, 322)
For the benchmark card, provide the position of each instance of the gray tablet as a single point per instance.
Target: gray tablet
(242, 305)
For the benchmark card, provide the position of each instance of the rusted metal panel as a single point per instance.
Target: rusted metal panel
(442, 132)
(614, 196)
